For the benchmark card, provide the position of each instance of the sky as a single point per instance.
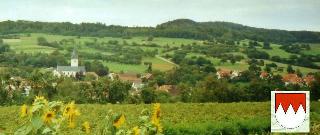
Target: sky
(271, 14)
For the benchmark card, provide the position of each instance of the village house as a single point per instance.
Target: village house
(171, 89)
(292, 79)
(72, 70)
(264, 75)
(308, 79)
(235, 74)
(225, 73)
(18, 83)
(147, 76)
(136, 82)
(112, 76)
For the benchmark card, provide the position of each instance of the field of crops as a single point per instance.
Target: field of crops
(178, 118)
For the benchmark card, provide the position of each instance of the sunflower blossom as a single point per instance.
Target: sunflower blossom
(86, 127)
(155, 118)
(71, 112)
(119, 121)
(48, 116)
(24, 110)
(136, 131)
(40, 99)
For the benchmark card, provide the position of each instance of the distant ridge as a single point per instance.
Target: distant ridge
(179, 28)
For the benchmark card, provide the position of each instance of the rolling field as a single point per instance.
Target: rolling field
(29, 45)
(226, 118)
(157, 64)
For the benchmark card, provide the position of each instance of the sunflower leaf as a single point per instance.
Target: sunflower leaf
(24, 130)
(36, 122)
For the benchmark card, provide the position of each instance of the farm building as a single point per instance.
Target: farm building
(129, 77)
(171, 89)
(295, 79)
(72, 70)
(264, 75)
(225, 73)
(308, 79)
(292, 79)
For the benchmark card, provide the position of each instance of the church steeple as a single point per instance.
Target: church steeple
(74, 58)
(74, 54)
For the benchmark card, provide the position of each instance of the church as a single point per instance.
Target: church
(72, 70)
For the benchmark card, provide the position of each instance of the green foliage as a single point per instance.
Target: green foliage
(44, 117)
(266, 45)
(148, 95)
(290, 69)
(118, 91)
(97, 67)
(4, 48)
(180, 28)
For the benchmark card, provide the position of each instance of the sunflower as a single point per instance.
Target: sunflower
(24, 110)
(119, 121)
(136, 130)
(155, 118)
(69, 109)
(156, 113)
(48, 116)
(86, 127)
(158, 127)
(40, 99)
(71, 112)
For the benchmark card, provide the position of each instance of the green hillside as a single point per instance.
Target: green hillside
(180, 28)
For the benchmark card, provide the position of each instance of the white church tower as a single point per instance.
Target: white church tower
(74, 58)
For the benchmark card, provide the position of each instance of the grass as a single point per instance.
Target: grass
(179, 117)
(157, 64)
(315, 49)
(303, 70)
(238, 66)
(28, 45)
(276, 51)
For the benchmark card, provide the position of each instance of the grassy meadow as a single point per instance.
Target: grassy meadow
(315, 49)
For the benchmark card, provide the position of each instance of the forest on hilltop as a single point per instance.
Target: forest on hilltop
(180, 28)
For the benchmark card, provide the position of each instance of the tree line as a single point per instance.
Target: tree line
(180, 28)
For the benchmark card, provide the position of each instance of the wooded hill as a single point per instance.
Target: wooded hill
(180, 28)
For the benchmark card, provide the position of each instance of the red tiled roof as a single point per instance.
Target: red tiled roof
(224, 72)
(308, 79)
(170, 89)
(147, 76)
(292, 78)
(129, 77)
(264, 74)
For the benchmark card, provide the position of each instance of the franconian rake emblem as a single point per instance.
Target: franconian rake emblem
(290, 111)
